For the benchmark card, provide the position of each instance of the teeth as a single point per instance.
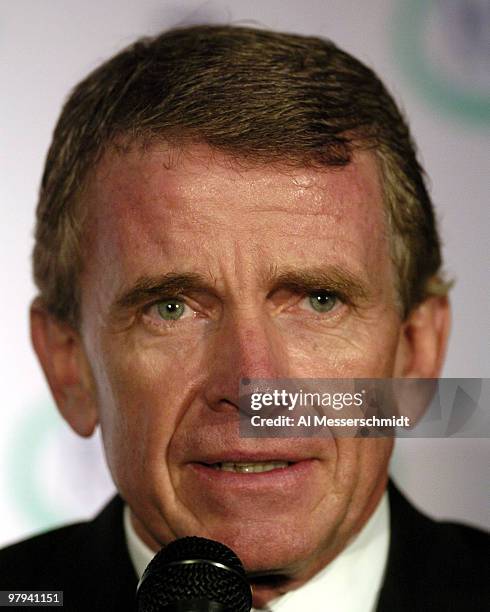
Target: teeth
(250, 468)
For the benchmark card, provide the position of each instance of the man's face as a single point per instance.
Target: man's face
(200, 271)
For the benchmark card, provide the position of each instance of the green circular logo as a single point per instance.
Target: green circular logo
(52, 474)
(442, 47)
(24, 465)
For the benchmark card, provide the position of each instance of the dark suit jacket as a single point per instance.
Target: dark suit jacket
(431, 566)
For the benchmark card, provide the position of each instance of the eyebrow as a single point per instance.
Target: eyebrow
(329, 278)
(168, 285)
(171, 285)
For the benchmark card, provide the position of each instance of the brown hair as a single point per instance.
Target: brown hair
(259, 95)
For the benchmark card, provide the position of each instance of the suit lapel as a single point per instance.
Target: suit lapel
(407, 579)
(106, 558)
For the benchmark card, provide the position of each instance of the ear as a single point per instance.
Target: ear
(423, 339)
(62, 356)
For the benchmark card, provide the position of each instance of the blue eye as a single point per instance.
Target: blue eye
(322, 301)
(171, 310)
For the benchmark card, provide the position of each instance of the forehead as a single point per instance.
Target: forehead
(138, 186)
(152, 210)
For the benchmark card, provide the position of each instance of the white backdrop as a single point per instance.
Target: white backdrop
(432, 56)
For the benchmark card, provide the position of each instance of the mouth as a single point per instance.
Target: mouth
(241, 467)
(253, 474)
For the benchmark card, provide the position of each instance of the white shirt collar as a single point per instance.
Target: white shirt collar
(350, 583)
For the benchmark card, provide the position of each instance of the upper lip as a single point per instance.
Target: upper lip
(249, 457)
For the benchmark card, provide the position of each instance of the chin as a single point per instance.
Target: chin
(274, 549)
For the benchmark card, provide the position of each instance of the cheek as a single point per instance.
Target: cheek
(361, 470)
(370, 453)
(139, 396)
(365, 349)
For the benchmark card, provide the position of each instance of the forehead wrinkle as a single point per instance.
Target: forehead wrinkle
(219, 172)
(160, 212)
(177, 197)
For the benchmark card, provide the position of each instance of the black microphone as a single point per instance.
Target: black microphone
(194, 575)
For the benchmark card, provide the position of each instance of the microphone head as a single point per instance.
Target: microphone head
(194, 570)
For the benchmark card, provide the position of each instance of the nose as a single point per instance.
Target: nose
(247, 346)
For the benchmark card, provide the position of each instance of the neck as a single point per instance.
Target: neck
(267, 586)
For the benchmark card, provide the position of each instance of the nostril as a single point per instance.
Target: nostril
(225, 406)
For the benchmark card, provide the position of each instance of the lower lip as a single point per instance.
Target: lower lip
(282, 477)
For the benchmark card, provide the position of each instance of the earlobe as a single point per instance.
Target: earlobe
(424, 339)
(62, 357)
